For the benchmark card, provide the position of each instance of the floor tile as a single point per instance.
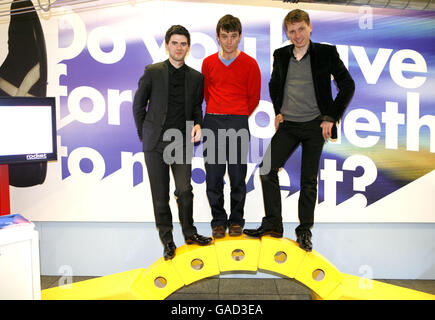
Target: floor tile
(427, 286)
(256, 286)
(201, 286)
(291, 286)
(249, 297)
(295, 297)
(49, 282)
(193, 296)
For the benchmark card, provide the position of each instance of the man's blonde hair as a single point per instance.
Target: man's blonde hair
(296, 15)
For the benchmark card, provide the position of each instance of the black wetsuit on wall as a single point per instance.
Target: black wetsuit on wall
(24, 73)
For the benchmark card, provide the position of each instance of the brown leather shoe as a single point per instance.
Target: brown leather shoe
(218, 232)
(235, 230)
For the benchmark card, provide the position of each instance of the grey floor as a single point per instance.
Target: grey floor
(216, 288)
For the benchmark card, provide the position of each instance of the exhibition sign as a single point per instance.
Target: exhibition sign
(380, 169)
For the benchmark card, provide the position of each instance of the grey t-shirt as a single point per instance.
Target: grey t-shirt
(299, 102)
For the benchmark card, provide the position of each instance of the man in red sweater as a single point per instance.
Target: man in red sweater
(232, 83)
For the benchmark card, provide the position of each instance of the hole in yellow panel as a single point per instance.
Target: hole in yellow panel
(280, 257)
(318, 274)
(197, 264)
(238, 254)
(160, 282)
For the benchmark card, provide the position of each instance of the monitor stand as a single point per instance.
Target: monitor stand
(5, 205)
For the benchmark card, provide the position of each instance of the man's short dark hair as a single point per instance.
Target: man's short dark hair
(177, 29)
(229, 23)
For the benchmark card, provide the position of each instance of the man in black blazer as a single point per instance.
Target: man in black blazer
(306, 114)
(169, 99)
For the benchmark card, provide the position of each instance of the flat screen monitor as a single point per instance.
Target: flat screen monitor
(27, 129)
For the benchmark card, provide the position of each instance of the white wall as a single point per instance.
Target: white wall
(378, 251)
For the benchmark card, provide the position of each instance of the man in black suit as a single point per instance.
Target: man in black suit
(306, 114)
(168, 98)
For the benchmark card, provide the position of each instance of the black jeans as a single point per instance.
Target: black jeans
(285, 141)
(158, 173)
(231, 146)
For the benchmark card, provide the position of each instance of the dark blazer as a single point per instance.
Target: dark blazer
(150, 102)
(325, 62)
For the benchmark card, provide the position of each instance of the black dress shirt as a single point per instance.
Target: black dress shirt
(175, 117)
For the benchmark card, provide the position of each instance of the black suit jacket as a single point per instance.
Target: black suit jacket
(325, 62)
(150, 102)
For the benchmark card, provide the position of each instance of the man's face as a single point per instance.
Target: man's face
(177, 47)
(299, 33)
(229, 41)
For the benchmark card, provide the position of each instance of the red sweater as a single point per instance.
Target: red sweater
(233, 89)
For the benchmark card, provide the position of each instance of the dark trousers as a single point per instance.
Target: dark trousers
(158, 173)
(230, 150)
(285, 141)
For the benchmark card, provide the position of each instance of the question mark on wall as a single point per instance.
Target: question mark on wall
(370, 171)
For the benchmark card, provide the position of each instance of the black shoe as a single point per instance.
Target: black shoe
(169, 250)
(198, 239)
(257, 233)
(304, 241)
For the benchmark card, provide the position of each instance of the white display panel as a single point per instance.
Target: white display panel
(25, 130)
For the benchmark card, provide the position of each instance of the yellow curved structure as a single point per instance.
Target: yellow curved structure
(192, 263)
